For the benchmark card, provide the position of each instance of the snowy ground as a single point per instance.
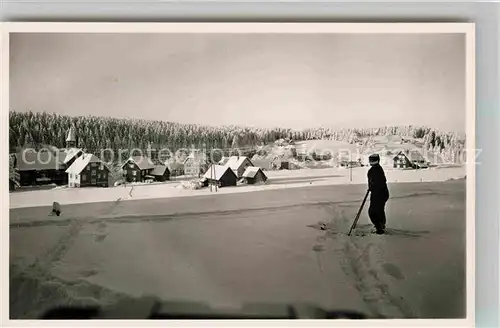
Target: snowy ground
(277, 180)
(249, 247)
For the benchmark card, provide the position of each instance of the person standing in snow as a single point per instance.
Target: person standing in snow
(379, 194)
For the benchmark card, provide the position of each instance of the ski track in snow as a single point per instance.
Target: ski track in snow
(363, 261)
(52, 290)
(361, 257)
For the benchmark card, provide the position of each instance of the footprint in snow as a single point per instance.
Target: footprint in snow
(393, 271)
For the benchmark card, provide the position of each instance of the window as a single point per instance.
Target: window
(84, 177)
(131, 165)
(93, 173)
(101, 167)
(93, 164)
(87, 168)
(134, 173)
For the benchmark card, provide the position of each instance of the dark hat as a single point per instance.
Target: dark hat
(374, 159)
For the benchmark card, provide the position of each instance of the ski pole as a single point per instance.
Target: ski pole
(359, 213)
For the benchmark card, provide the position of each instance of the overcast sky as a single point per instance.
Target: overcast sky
(297, 81)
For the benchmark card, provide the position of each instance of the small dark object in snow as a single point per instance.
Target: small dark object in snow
(323, 226)
(56, 208)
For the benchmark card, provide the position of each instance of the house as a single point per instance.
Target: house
(67, 155)
(410, 159)
(350, 164)
(70, 155)
(254, 175)
(285, 165)
(88, 171)
(238, 164)
(160, 173)
(136, 168)
(39, 167)
(304, 156)
(223, 176)
(194, 164)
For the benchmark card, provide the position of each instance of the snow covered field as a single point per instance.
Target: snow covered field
(277, 180)
(249, 247)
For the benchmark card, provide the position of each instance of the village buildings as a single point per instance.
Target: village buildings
(410, 159)
(39, 167)
(238, 164)
(160, 173)
(254, 175)
(88, 170)
(222, 176)
(142, 168)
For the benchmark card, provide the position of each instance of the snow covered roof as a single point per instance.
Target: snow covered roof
(143, 162)
(223, 161)
(159, 170)
(81, 163)
(412, 155)
(235, 162)
(251, 172)
(70, 153)
(219, 172)
(30, 159)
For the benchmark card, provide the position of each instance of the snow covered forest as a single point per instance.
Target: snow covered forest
(95, 133)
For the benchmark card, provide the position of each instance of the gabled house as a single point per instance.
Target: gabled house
(160, 173)
(136, 168)
(39, 167)
(254, 175)
(223, 176)
(88, 171)
(410, 160)
(70, 155)
(238, 164)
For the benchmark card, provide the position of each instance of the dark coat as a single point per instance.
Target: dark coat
(377, 184)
